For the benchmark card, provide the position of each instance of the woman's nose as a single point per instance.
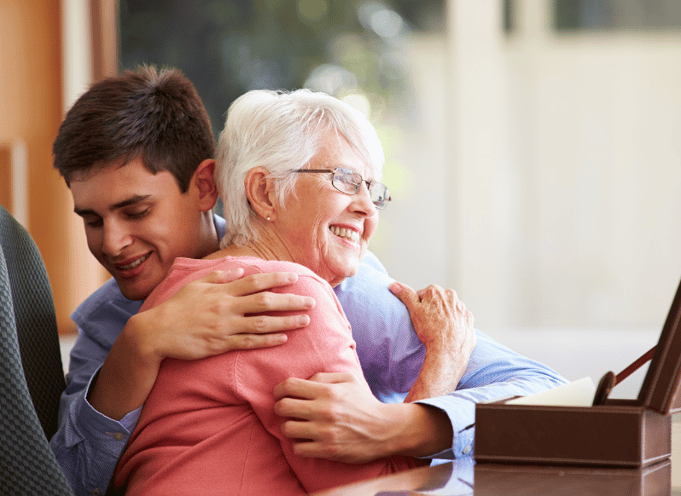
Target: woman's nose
(362, 200)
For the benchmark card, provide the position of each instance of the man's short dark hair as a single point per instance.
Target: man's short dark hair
(155, 115)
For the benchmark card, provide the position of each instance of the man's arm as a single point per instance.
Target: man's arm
(196, 323)
(494, 371)
(445, 328)
(89, 442)
(352, 427)
(346, 424)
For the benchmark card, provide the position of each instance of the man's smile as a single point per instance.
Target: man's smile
(133, 264)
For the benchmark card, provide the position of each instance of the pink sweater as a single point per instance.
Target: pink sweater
(209, 427)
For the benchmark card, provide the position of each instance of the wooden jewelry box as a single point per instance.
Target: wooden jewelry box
(618, 433)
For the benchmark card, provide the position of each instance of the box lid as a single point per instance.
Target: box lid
(660, 389)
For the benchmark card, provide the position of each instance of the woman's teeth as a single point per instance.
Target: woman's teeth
(345, 233)
(135, 263)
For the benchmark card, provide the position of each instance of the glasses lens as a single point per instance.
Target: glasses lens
(346, 181)
(379, 194)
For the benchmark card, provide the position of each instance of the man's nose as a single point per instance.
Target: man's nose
(116, 238)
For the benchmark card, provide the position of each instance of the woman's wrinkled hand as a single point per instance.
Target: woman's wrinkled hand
(445, 327)
(440, 319)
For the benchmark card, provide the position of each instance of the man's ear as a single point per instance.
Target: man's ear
(204, 180)
(259, 188)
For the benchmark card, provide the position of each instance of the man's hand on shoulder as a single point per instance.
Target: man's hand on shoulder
(215, 314)
(336, 417)
(333, 416)
(223, 312)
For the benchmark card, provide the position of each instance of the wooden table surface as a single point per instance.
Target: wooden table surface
(464, 477)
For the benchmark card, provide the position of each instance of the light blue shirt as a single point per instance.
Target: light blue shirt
(88, 444)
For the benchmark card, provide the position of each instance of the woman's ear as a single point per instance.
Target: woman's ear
(204, 181)
(259, 188)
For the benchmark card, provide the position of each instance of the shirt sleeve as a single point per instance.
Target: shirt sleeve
(392, 355)
(493, 372)
(87, 444)
(323, 346)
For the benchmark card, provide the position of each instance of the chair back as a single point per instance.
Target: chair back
(36, 323)
(31, 373)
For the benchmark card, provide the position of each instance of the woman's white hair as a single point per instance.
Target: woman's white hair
(282, 131)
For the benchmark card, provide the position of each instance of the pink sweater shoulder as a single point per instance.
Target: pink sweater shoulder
(204, 397)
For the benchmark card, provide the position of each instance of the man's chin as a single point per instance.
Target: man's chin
(134, 293)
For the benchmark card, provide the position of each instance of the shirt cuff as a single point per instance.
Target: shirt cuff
(462, 419)
(94, 425)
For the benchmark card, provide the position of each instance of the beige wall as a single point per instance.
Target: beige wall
(553, 198)
(602, 163)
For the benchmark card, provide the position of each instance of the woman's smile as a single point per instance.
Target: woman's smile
(345, 233)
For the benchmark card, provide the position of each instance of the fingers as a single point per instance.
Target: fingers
(272, 302)
(297, 388)
(310, 449)
(232, 343)
(411, 297)
(297, 430)
(406, 295)
(253, 341)
(256, 283)
(470, 320)
(237, 285)
(311, 440)
(437, 292)
(292, 408)
(252, 295)
(221, 277)
(313, 388)
(443, 301)
(290, 387)
(333, 377)
(262, 324)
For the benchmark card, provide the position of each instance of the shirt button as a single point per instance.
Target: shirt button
(467, 449)
(96, 492)
(118, 436)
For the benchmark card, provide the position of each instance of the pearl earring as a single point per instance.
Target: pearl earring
(268, 218)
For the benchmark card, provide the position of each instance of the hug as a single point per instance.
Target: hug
(267, 348)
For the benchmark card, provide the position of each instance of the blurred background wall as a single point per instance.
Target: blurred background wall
(532, 145)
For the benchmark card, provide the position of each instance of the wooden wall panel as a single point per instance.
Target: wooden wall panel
(13, 179)
(30, 112)
(104, 22)
(5, 175)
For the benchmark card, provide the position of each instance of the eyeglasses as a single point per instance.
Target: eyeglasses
(348, 181)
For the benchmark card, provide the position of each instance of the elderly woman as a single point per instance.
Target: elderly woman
(299, 175)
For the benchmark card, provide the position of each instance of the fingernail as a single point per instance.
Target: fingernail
(396, 288)
(309, 302)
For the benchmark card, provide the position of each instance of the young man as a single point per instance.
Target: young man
(136, 152)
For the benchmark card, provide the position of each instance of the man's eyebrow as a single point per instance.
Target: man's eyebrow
(125, 203)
